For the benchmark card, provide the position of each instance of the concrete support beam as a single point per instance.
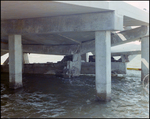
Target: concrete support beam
(15, 61)
(57, 68)
(89, 67)
(125, 53)
(103, 65)
(129, 35)
(57, 49)
(144, 58)
(89, 46)
(51, 49)
(67, 23)
(73, 67)
(127, 27)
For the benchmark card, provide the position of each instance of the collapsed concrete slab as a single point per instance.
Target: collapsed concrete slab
(59, 69)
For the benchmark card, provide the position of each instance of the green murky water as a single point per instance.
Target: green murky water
(45, 96)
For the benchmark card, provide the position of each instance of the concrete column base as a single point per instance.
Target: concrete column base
(103, 97)
(15, 81)
(104, 92)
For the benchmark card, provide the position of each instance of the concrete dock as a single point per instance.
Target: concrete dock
(72, 28)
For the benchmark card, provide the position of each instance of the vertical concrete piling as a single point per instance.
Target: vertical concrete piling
(144, 57)
(74, 66)
(103, 65)
(15, 61)
(84, 57)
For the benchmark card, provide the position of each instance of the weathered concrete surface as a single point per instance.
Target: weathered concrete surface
(103, 65)
(88, 68)
(73, 67)
(57, 68)
(57, 49)
(130, 13)
(56, 24)
(129, 35)
(119, 67)
(18, 10)
(125, 53)
(47, 68)
(85, 46)
(15, 61)
(145, 58)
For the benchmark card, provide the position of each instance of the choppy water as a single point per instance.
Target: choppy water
(49, 96)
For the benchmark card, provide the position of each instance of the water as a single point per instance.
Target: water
(45, 96)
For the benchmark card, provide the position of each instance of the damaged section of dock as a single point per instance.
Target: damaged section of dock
(89, 27)
(59, 68)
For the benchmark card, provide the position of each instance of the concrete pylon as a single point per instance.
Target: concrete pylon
(73, 67)
(103, 65)
(15, 61)
(144, 58)
(85, 57)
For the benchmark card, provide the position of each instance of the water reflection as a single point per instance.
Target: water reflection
(49, 96)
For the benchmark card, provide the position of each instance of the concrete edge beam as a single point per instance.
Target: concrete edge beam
(68, 23)
(63, 49)
(125, 53)
(57, 50)
(129, 35)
